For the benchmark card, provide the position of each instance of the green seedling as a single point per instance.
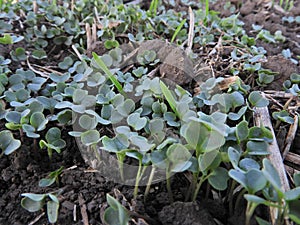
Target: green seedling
(35, 202)
(19, 54)
(283, 116)
(109, 44)
(7, 142)
(51, 178)
(118, 145)
(53, 141)
(115, 214)
(39, 54)
(205, 137)
(37, 122)
(148, 57)
(66, 63)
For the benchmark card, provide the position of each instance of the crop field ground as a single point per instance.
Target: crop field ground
(149, 112)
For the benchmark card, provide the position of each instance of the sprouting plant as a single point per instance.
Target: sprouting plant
(51, 178)
(35, 202)
(286, 202)
(7, 142)
(53, 141)
(148, 57)
(115, 214)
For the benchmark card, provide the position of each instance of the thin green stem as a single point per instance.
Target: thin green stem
(137, 180)
(199, 184)
(249, 212)
(238, 200)
(121, 165)
(192, 186)
(169, 189)
(149, 182)
(230, 197)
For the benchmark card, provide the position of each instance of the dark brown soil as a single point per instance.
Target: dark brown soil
(21, 172)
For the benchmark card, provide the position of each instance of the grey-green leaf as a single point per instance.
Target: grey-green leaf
(52, 211)
(219, 178)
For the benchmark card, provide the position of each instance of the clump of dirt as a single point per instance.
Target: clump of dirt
(185, 213)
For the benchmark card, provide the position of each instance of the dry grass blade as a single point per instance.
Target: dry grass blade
(262, 118)
(290, 136)
(191, 31)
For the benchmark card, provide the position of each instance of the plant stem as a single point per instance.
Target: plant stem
(249, 212)
(121, 165)
(230, 197)
(199, 184)
(137, 180)
(149, 182)
(168, 177)
(238, 200)
(191, 188)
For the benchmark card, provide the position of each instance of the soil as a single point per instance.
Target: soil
(21, 172)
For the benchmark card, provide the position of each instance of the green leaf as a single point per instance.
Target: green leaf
(257, 148)
(248, 163)
(209, 160)
(238, 115)
(6, 39)
(297, 179)
(272, 175)
(53, 134)
(116, 214)
(38, 121)
(7, 142)
(261, 221)
(34, 197)
(253, 180)
(201, 137)
(242, 131)
(169, 97)
(39, 54)
(52, 211)
(95, 79)
(294, 213)
(126, 107)
(179, 157)
(90, 137)
(156, 125)
(116, 144)
(19, 54)
(255, 199)
(88, 122)
(134, 120)
(260, 134)
(292, 194)
(218, 178)
(178, 30)
(46, 182)
(109, 44)
(257, 100)
(102, 65)
(31, 205)
(283, 116)
(66, 63)
(234, 156)
(142, 143)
